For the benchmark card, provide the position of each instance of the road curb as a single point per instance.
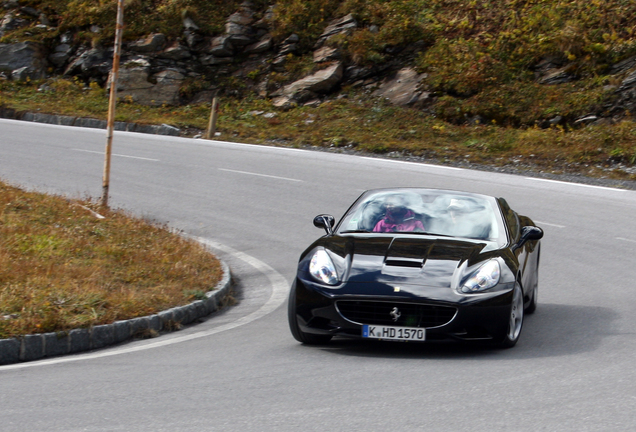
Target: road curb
(37, 346)
(10, 113)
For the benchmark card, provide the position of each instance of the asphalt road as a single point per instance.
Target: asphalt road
(241, 370)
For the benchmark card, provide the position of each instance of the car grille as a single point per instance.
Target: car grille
(410, 314)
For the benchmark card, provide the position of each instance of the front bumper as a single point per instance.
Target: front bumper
(444, 313)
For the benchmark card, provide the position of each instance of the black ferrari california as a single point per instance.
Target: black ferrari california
(419, 265)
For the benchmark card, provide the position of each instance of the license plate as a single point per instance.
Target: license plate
(393, 333)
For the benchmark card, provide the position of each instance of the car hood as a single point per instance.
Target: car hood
(433, 262)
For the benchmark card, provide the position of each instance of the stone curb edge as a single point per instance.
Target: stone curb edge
(164, 129)
(37, 346)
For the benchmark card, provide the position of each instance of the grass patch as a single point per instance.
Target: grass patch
(524, 104)
(63, 268)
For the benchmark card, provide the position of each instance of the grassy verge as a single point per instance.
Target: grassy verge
(61, 267)
(364, 124)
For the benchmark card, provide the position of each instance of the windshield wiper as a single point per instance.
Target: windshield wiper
(355, 231)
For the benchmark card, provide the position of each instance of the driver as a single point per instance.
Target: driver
(397, 217)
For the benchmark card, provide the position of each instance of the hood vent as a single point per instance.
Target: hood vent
(407, 254)
(405, 262)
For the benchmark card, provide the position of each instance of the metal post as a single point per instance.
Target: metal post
(111, 102)
(209, 134)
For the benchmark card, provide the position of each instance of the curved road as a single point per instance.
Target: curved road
(241, 370)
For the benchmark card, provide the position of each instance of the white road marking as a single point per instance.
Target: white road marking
(118, 155)
(576, 184)
(549, 224)
(215, 142)
(280, 290)
(413, 163)
(626, 239)
(260, 175)
(290, 149)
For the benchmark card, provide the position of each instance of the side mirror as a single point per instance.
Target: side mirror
(528, 233)
(325, 221)
(531, 233)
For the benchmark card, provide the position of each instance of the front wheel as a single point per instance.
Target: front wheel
(299, 335)
(515, 321)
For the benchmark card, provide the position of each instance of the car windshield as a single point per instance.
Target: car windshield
(431, 212)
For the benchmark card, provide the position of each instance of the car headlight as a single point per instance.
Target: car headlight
(322, 268)
(485, 278)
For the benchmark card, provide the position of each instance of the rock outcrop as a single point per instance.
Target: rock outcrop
(95, 63)
(626, 92)
(403, 89)
(135, 83)
(343, 25)
(23, 60)
(310, 87)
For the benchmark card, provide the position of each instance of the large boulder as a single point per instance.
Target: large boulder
(309, 87)
(27, 57)
(403, 89)
(132, 77)
(135, 83)
(239, 35)
(220, 46)
(320, 82)
(239, 26)
(92, 63)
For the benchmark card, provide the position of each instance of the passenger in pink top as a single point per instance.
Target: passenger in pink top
(398, 218)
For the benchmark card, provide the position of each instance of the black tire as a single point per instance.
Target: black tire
(515, 321)
(299, 335)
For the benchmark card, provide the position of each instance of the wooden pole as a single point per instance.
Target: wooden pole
(111, 102)
(214, 112)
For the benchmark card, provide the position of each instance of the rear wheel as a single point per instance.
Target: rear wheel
(299, 335)
(515, 320)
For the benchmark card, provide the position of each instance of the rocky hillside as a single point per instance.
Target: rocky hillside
(514, 63)
(157, 70)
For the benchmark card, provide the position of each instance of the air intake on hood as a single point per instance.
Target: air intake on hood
(408, 253)
(405, 262)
